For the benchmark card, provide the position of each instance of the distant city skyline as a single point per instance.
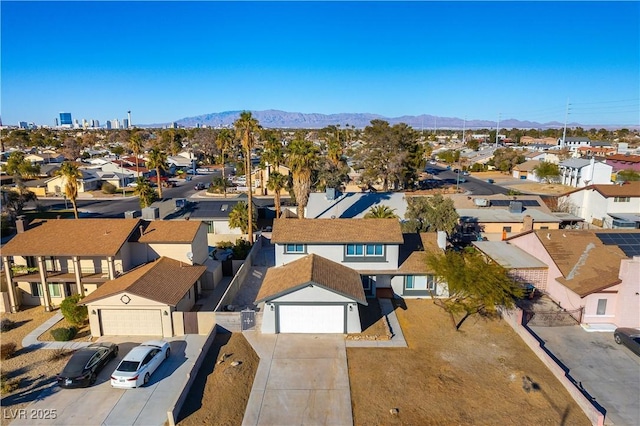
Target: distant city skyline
(165, 61)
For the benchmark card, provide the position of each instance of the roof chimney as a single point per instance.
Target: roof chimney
(527, 223)
(141, 230)
(22, 224)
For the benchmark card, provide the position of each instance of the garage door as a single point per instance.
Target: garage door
(311, 318)
(131, 322)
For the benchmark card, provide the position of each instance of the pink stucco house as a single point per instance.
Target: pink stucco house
(595, 271)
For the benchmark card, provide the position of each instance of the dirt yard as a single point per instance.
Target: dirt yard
(83, 335)
(477, 376)
(220, 393)
(34, 370)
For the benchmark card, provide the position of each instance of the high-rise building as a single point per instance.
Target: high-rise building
(95, 124)
(65, 119)
(23, 125)
(125, 123)
(115, 123)
(56, 121)
(108, 125)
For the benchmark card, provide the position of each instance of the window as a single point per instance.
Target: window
(419, 282)
(621, 199)
(506, 229)
(54, 290)
(211, 229)
(35, 289)
(602, 307)
(373, 250)
(294, 248)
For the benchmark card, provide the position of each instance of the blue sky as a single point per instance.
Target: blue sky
(169, 60)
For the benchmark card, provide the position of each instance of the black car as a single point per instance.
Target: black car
(630, 337)
(85, 364)
(199, 186)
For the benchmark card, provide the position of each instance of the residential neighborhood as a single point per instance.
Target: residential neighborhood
(310, 283)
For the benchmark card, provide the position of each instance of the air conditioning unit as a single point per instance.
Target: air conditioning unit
(481, 202)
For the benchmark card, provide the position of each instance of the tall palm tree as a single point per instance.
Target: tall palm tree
(381, 212)
(277, 182)
(70, 175)
(224, 141)
(301, 159)
(246, 126)
(135, 143)
(158, 161)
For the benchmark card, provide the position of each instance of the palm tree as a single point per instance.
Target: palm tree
(239, 217)
(158, 161)
(224, 140)
(70, 174)
(381, 212)
(277, 182)
(301, 160)
(144, 190)
(135, 143)
(245, 127)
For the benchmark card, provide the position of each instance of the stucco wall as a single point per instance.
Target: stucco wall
(335, 252)
(313, 293)
(627, 312)
(397, 283)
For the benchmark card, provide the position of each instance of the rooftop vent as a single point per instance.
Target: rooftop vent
(515, 207)
(481, 202)
(330, 194)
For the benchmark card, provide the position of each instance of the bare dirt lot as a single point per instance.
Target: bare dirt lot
(220, 393)
(477, 376)
(33, 370)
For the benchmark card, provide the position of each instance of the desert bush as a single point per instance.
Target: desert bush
(108, 188)
(58, 354)
(72, 312)
(8, 385)
(7, 350)
(6, 324)
(64, 334)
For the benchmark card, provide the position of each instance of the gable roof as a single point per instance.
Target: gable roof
(172, 231)
(338, 231)
(311, 269)
(587, 265)
(529, 165)
(72, 237)
(414, 251)
(628, 189)
(165, 281)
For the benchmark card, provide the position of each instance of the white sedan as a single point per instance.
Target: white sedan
(138, 365)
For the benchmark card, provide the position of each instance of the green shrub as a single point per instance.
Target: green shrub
(108, 188)
(72, 312)
(8, 385)
(6, 324)
(241, 249)
(64, 334)
(7, 350)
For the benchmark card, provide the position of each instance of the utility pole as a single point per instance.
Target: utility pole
(564, 132)
(497, 130)
(464, 125)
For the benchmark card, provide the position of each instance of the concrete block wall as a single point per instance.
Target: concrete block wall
(240, 277)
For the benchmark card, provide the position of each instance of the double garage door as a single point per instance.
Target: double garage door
(311, 318)
(131, 322)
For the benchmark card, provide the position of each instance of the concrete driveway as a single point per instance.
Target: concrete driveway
(610, 373)
(101, 404)
(301, 380)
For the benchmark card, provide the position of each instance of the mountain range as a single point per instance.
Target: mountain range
(295, 120)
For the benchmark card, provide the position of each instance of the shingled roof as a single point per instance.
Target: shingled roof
(312, 270)
(414, 251)
(628, 189)
(587, 265)
(336, 231)
(165, 281)
(168, 232)
(72, 237)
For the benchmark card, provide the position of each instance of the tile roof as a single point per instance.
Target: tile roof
(339, 231)
(72, 237)
(414, 251)
(587, 265)
(164, 280)
(312, 269)
(624, 158)
(170, 231)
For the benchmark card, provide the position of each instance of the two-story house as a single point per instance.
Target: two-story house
(326, 267)
(581, 172)
(607, 206)
(101, 258)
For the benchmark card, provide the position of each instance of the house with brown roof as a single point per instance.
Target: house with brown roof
(52, 259)
(374, 252)
(526, 170)
(607, 206)
(624, 162)
(141, 302)
(594, 275)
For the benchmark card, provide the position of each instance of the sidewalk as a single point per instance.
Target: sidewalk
(397, 338)
(31, 339)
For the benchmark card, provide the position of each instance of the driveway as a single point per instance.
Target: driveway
(610, 373)
(101, 404)
(301, 380)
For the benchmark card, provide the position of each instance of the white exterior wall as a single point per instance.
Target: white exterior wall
(590, 204)
(397, 283)
(336, 253)
(598, 173)
(311, 294)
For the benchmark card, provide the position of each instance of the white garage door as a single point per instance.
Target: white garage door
(311, 318)
(131, 322)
